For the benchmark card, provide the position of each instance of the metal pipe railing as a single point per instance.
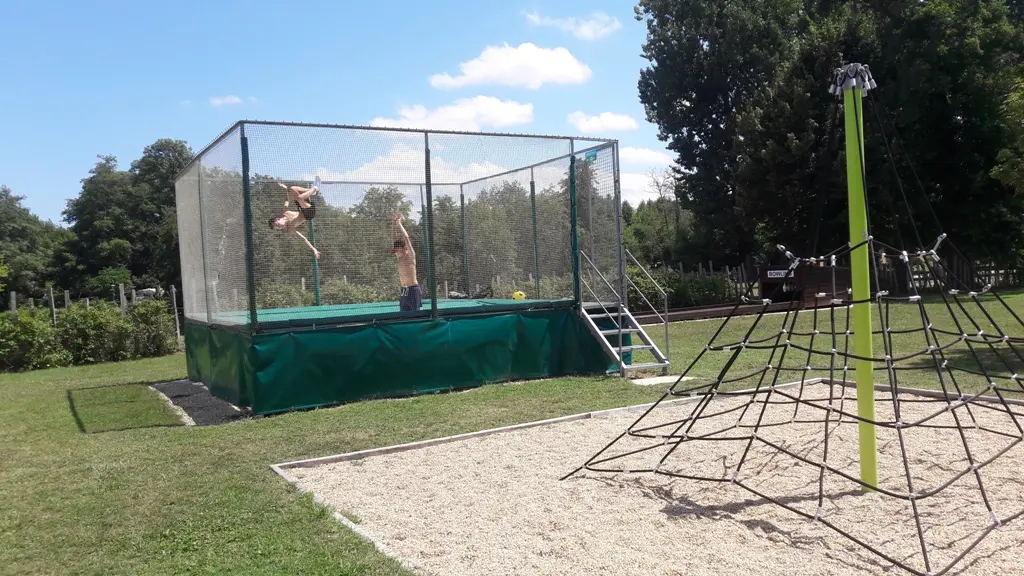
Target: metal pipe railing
(618, 300)
(664, 295)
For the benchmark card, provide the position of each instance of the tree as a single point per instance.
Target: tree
(745, 107)
(1010, 169)
(3, 274)
(156, 169)
(27, 246)
(709, 58)
(126, 218)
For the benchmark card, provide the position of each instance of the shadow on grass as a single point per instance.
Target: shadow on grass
(119, 407)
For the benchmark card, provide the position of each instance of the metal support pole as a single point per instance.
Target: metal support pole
(465, 246)
(202, 244)
(431, 283)
(536, 241)
(855, 80)
(174, 310)
(316, 263)
(250, 268)
(574, 232)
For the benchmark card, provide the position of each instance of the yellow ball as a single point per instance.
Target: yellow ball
(518, 295)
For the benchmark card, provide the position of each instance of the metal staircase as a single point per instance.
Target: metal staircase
(611, 323)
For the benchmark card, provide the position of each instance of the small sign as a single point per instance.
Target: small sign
(592, 155)
(780, 273)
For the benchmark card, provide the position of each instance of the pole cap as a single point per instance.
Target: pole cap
(851, 76)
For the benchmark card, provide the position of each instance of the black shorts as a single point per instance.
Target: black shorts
(308, 213)
(411, 298)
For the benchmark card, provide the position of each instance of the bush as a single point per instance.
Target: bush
(153, 327)
(337, 292)
(29, 342)
(684, 290)
(99, 335)
(283, 296)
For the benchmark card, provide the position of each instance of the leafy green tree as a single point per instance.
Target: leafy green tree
(157, 169)
(745, 106)
(3, 273)
(1010, 169)
(709, 59)
(27, 246)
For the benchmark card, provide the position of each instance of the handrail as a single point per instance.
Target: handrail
(664, 295)
(618, 299)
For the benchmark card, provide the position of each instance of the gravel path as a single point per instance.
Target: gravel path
(494, 505)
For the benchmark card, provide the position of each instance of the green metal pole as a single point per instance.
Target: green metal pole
(250, 265)
(856, 80)
(316, 264)
(465, 247)
(574, 236)
(432, 287)
(536, 242)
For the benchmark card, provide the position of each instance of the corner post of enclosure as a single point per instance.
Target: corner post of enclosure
(574, 232)
(536, 242)
(432, 284)
(623, 299)
(852, 81)
(250, 271)
(465, 247)
(202, 246)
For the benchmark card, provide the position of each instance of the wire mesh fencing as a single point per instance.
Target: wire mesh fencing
(356, 223)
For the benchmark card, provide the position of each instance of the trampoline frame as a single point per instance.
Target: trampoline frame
(430, 309)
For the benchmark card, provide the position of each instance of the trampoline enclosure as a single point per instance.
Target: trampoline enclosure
(489, 215)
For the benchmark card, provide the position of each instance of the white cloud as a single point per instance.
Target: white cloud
(404, 163)
(468, 114)
(643, 157)
(636, 187)
(254, 100)
(224, 100)
(523, 66)
(596, 26)
(603, 122)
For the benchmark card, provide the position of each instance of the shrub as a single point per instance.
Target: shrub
(153, 329)
(99, 335)
(30, 342)
(337, 292)
(283, 296)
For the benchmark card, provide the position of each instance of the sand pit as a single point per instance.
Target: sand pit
(494, 504)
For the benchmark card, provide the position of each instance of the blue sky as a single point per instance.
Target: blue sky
(82, 79)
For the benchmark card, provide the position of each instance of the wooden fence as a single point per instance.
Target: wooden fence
(122, 297)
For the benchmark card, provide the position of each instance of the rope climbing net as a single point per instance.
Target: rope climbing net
(788, 421)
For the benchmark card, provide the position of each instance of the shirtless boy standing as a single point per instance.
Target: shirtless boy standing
(411, 296)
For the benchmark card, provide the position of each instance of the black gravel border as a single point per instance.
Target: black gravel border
(203, 408)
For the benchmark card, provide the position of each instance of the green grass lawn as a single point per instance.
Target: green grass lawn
(133, 494)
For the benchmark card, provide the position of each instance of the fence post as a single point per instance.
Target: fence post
(86, 303)
(53, 308)
(174, 310)
(133, 295)
(67, 299)
(14, 305)
(123, 300)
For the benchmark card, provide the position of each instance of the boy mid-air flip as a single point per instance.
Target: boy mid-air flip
(291, 219)
(411, 298)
